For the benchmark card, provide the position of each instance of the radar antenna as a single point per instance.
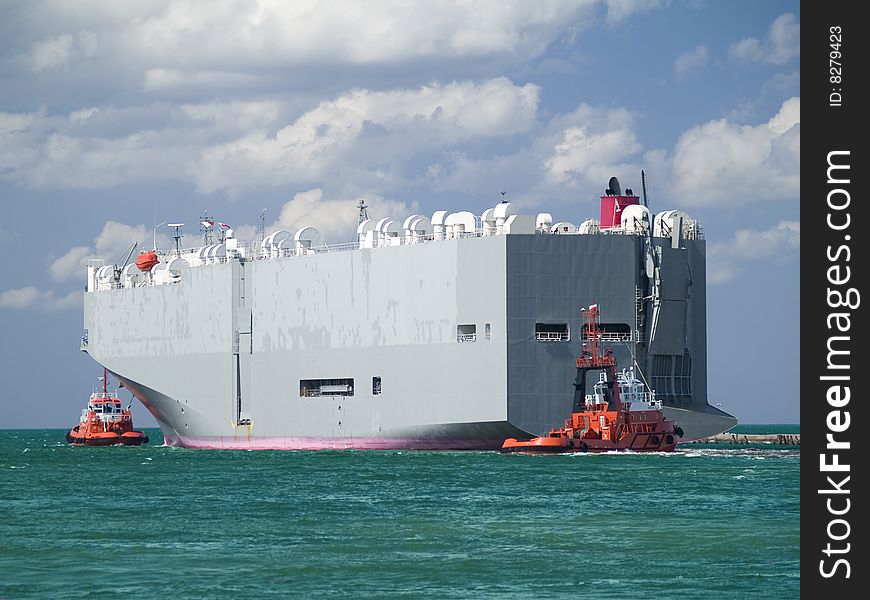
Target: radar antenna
(363, 213)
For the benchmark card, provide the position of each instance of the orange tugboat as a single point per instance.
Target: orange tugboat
(620, 414)
(105, 422)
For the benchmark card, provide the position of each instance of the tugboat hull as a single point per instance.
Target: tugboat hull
(641, 442)
(130, 438)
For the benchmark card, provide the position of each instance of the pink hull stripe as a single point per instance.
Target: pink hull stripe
(312, 443)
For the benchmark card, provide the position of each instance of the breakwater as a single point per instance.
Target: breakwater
(785, 439)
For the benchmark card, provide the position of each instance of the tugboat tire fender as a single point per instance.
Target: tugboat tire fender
(655, 440)
(584, 447)
(669, 438)
(679, 431)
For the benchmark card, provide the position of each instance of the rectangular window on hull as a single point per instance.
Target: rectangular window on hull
(376, 386)
(552, 332)
(612, 332)
(466, 333)
(313, 388)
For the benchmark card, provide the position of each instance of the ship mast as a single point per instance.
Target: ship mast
(591, 359)
(177, 236)
(261, 228)
(206, 226)
(363, 213)
(643, 186)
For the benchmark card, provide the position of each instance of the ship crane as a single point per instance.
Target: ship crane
(118, 270)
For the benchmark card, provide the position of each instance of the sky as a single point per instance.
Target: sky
(117, 116)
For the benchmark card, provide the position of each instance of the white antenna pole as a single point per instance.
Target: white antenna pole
(155, 233)
(261, 229)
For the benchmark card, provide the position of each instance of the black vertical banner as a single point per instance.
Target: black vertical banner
(834, 183)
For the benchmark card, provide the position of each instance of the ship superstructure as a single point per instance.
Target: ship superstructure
(453, 330)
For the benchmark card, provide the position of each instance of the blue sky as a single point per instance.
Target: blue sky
(113, 112)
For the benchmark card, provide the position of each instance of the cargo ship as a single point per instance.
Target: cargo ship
(450, 331)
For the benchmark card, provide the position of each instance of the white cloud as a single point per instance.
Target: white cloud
(18, 142)
(335, 218)
(84, 114)
(61, 50)
(101, 147)
(236, 33)
(189, 81)
(721, 162)
(563, 167)
(620, 10)
(20, 297)
(70, 265)
(727, 259)
(690, 61)
(166, 45)
(776, 87)
(591, 144)
(244, 115)
(781, 44)
(233, 49)
(33, 298)
(377, 128)
(237, 145)
(54, 152)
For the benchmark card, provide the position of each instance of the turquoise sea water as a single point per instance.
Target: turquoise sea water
(158, 522)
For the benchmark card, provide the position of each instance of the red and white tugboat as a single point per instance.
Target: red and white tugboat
(105, 422)
(620, 414)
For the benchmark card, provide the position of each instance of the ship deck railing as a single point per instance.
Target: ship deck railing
(611, 336)
(552, 336)
(251, 251)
